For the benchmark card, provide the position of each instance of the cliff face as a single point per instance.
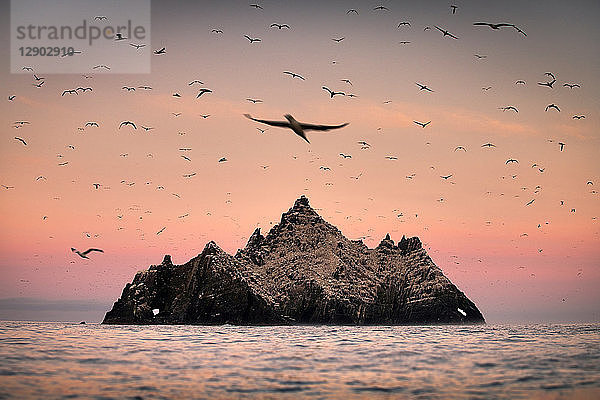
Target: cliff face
(303, 271)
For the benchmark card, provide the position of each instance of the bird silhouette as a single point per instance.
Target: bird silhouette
(128, 88)
(69, 91)
(299, 128)
(119, 36)
(422, 124)
(488, 145)
(578, 116)
(445, 32)
(137, 46)
(195, 81)
(345, 155)
(404, 23)
(160, 51)
(423, 87)
(85, 253)
(21, 140)
(352, 10)
(331, 92)
(216, 31)
(11, 98)
(252, 40)
(500, 25)
(508, 108)
(202, 91)
(511, 160)
(562, 145)
(338, 40)
(446, 177)
(571, 85)
(279, 26)
(459, 148)
(222, 159)
(549, 106)
(453, 7)
(381, 8)
(254, 101)
(294, 75)
(127, 123)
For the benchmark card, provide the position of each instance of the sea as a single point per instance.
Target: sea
(41, 360)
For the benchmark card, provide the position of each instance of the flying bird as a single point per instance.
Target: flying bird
(531, 202)
(127, 123)
(403, 23)
(128, 88)
(511, 160)
(222, 159)
(352, 10)
(202, 91)
(195, 81)
(578, 116)
(422, 87)
(381, 8)
(119, 36)
(11, 98)
(254, 101)
(488, 145)
(522, 82)
(85, 253)
(297, 127)
(453, 7)
(571, 85)
(345, 155)
(552, 106)
(500, 25)
(422, 124)
(21, 140)
(137, 46)
(332, 93)
(280, 26)
(160, 51)
(216, 31)
(508, 108)
(252, 40)
(70, 91)
(446, 177)
(562, 145)
(294, 75)
(257, 6)
(459, 148)
(445, 32)
(338, 40)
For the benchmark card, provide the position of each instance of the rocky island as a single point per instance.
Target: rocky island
(304, 271)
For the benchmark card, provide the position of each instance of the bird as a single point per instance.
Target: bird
(578, 116)
(459, 148)
(38, 85)
(423, 87)
(128, 88)
(100, 18)
(297, 127)
(571, 85)
(294, 75)
(453, 7)
(422, 124)
(500, 25)
(252, 40)
(176, 95)
(511, 160)
(352, 10)
(37, 78)
(488, 145)
(338, 40)
(381, 8)
(403, 23)
(205, 115)
(325, 168)
(96, 185)
(216, 31)
(531, 202)
(254, 101)
(146, 128)
(186, 158)
(479, 56)
(332, 93)
(345, 155)
(85, 89)
(261, 130)
(145, 87)
(363, 143)
(279, 26)
(119, 36)
(101, 66)
(160, 51)
(522, 82)
(508, 108)
(222, 159)
(549, 83)
(445, 32)
(257, 6)
(85, 253)
(346, 81)
(446, 177)
(562, 145)
(391, 157)
(552, 106)
(137, 46)
(69, 91)
(486, 88)
(21, 140)
(202, 91)
(161, 230)
(404, 42)
(27, 69)
(127, 123)
(11, 97)
(195, 81)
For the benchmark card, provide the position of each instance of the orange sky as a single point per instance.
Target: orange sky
(472, 223)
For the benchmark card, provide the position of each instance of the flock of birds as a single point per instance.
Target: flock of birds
(299, 128)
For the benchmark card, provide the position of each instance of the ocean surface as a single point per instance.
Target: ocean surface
(69, 361)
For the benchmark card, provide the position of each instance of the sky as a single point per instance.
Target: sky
(519, 263)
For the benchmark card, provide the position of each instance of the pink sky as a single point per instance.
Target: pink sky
(472, 223)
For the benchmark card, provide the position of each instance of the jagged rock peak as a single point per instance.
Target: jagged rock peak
(301, 203)
(255, 239)
(167, 260)
(387, 242)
